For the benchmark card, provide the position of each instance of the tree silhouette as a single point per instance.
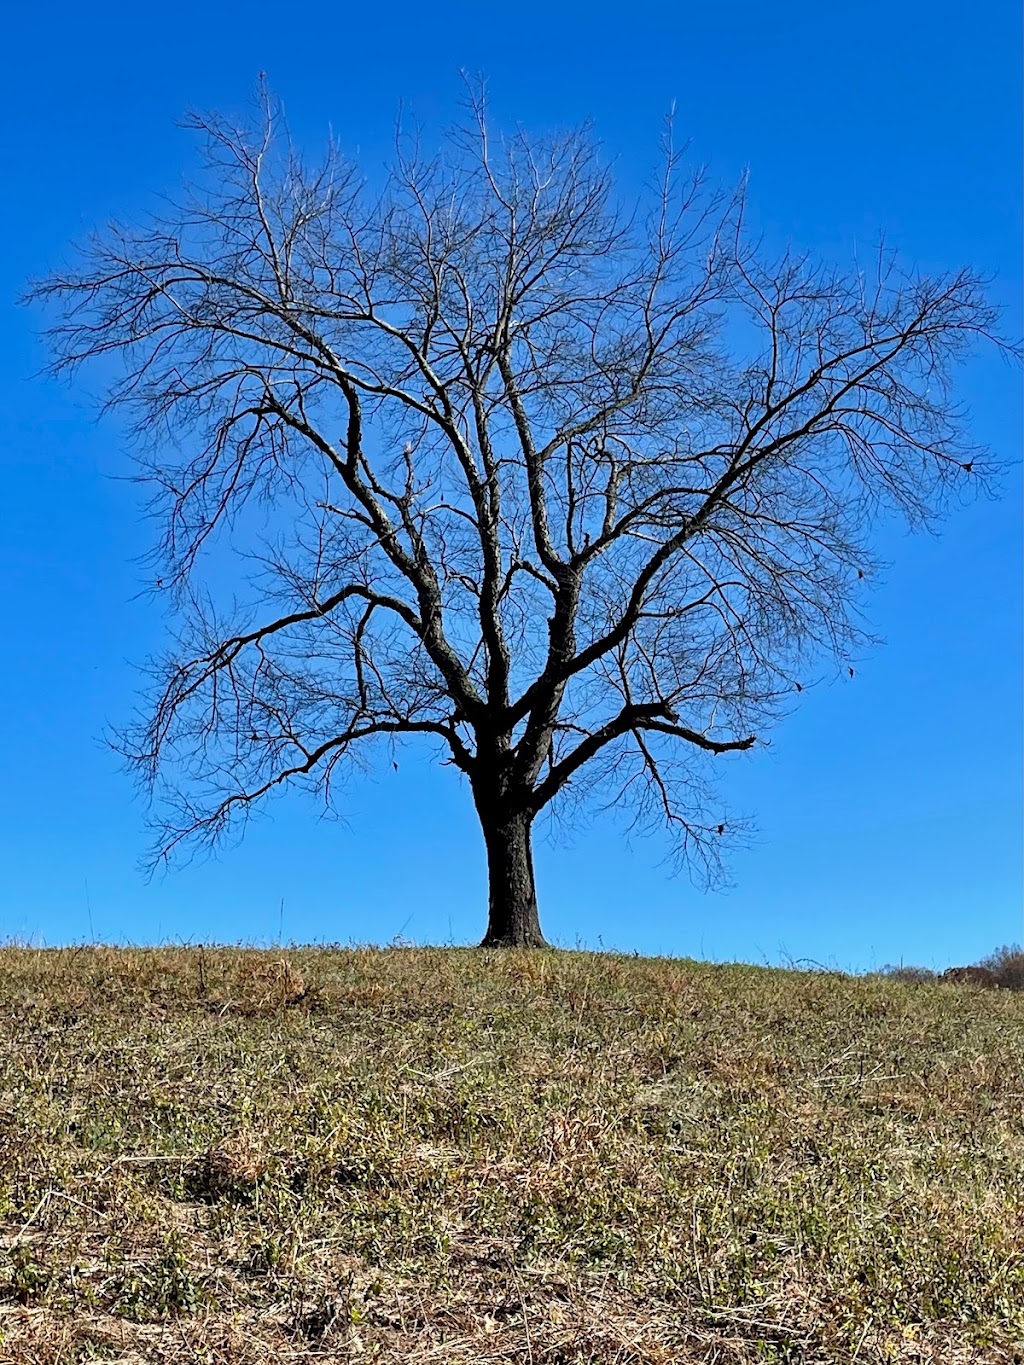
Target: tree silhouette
(569, 492)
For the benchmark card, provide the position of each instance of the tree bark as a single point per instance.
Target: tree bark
(513, 919)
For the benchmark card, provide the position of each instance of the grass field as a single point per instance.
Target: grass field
(419, 1155)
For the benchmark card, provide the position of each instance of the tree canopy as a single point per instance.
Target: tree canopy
(572, 490)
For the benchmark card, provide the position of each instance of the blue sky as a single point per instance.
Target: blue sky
(888, 807)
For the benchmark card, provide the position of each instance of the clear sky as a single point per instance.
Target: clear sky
(889, 807)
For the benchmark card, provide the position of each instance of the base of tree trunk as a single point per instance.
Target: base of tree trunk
(536, 940)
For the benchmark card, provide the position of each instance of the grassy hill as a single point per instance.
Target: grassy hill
(418, 1155)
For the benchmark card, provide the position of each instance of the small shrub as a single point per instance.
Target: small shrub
(233, 1167)
(162, 1287)
(970, 976)
(29, 1277)
(914, 976)
(272, 985)
(1007, 967)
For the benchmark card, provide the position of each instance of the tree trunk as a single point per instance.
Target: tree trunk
(513, 921)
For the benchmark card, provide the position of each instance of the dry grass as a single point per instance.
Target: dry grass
(550, 1158)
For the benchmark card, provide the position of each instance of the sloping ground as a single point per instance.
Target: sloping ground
(555, 1158)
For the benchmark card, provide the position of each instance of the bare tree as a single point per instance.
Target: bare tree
(573, 494)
